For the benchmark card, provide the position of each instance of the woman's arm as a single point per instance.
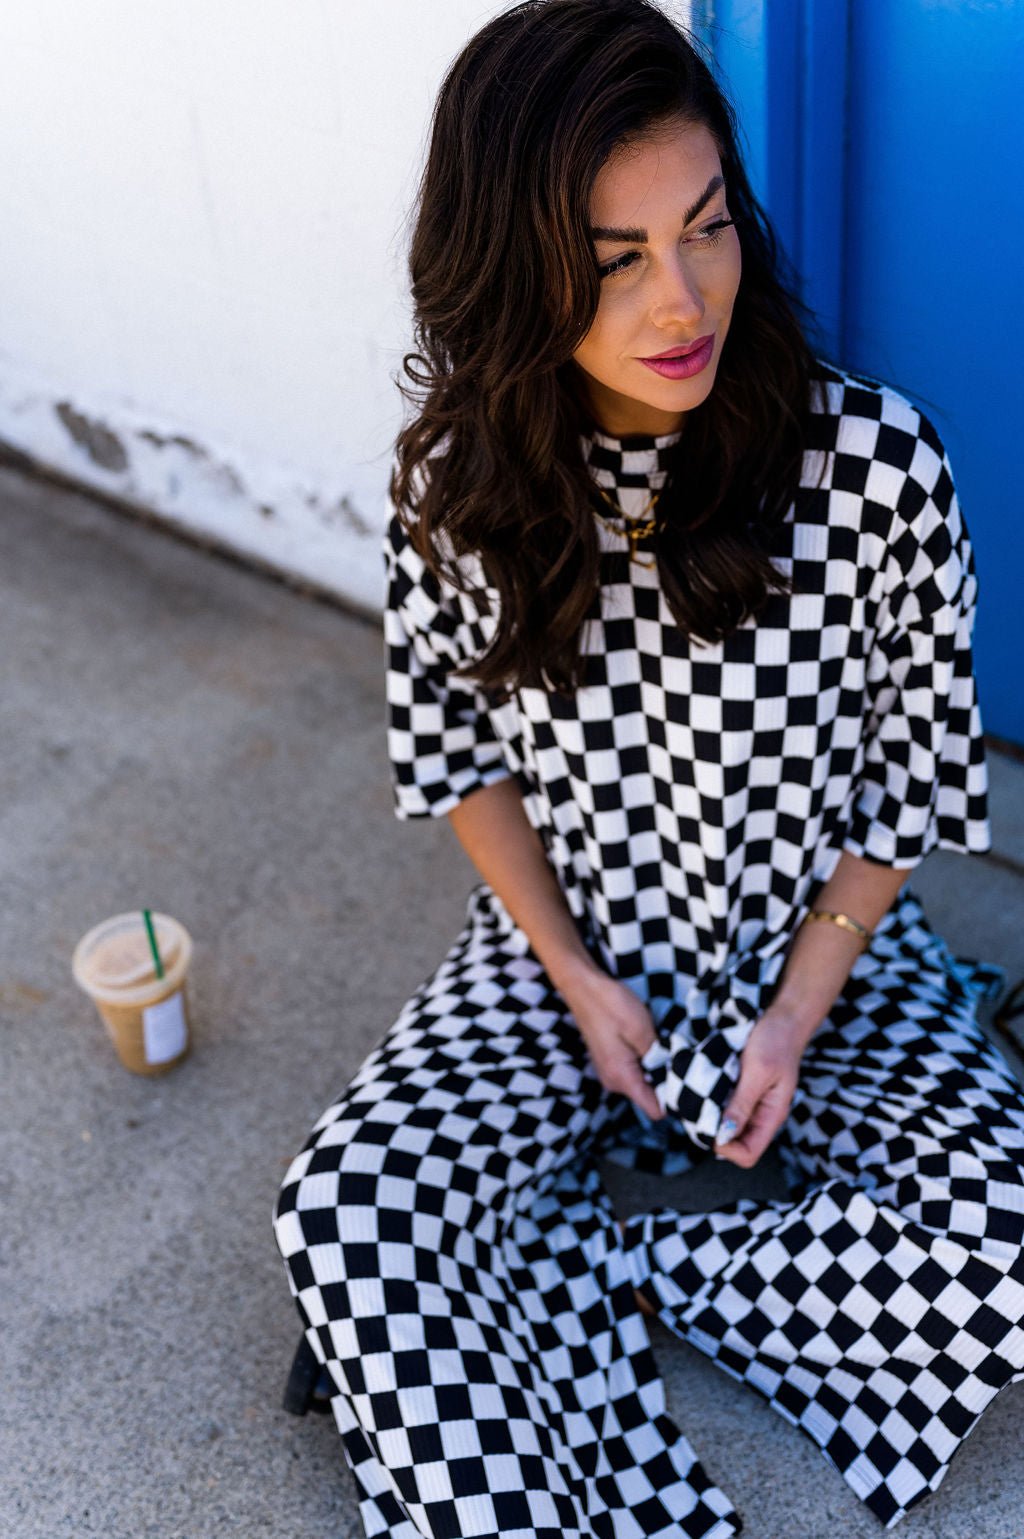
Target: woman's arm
(822, 954)
(493, 829)
(816, 969)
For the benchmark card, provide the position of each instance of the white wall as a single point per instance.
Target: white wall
(204, 217)
(204, 211)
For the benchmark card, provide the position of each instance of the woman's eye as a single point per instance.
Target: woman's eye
(710, 235)
(619, 265)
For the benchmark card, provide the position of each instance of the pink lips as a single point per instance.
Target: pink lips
(679, 352)
(681, 365)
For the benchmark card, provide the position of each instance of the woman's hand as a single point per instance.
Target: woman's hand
(618, 1029)
(759, 1105)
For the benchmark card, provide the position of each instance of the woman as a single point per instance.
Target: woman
(683, 651)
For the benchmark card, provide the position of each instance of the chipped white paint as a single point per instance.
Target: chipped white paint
(205, 222)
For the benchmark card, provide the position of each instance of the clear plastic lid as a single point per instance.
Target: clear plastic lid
(115, 958)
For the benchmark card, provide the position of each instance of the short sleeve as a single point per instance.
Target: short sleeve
(441, 741)
(924, 782)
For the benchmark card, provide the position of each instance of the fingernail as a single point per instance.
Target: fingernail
(727, 1132)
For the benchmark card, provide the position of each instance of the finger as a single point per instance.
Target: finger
(768, 1116)
(740, 1107)
(631, 1082)
(638, 1046)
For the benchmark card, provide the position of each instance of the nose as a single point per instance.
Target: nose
(677, 299)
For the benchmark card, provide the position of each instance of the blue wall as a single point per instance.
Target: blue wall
(885, 138)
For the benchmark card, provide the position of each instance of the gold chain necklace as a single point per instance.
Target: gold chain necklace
(633, 534)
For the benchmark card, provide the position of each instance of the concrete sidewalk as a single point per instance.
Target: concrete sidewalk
(185, 734)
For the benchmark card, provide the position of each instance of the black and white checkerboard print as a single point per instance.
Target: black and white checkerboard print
(693, 797)
(458, 1266)
(449, 1242)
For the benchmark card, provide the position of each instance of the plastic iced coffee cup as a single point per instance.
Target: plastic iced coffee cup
(146, 1016)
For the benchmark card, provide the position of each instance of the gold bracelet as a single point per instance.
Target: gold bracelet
(843, 920)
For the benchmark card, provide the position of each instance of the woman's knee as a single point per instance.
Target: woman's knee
(968, 1193)
(405, 1170)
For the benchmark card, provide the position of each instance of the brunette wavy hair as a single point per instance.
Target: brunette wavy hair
(505, 286)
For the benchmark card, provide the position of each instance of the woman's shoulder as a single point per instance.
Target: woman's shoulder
(444, 593)
(884, 450)
(869, 419)
(895, 487)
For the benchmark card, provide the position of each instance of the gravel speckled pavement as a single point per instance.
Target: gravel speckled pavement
(183, 733)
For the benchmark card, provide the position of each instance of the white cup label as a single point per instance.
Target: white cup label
(164, 1030)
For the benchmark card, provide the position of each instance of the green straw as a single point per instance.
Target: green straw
(146, 914)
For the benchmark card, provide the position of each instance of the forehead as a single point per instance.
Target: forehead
(672, 163)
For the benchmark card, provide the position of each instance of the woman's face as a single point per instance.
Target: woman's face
(669, 278)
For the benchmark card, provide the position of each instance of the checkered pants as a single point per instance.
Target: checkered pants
(457, 1264)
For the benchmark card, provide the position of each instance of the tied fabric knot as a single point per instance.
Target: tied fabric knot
(694, 1064)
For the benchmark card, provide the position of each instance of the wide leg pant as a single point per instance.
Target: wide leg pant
(457, 1264)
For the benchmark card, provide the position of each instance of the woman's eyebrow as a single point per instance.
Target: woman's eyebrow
(638, 236)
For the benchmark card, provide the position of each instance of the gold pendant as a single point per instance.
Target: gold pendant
(634, 536)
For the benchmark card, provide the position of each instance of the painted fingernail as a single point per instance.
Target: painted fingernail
(727, 1132)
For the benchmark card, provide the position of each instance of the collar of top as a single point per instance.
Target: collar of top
(628, 459)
